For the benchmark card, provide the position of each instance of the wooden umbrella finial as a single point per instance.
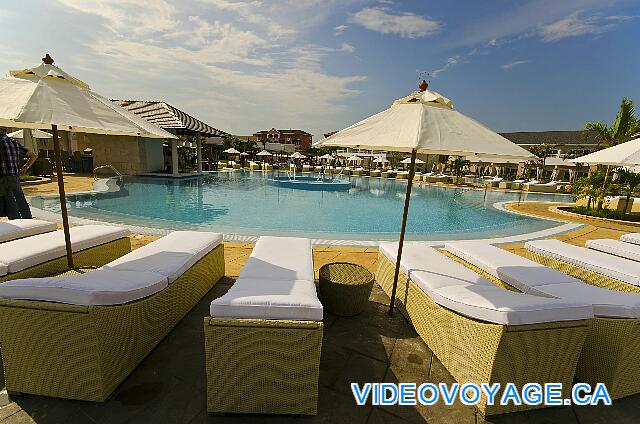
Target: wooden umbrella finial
(423, 85)
(47, 60)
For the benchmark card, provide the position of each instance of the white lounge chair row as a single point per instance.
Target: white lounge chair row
(611, 349)
(264, 336)
(78, 337)
(481, 332)
(20, 228)
(44, 254)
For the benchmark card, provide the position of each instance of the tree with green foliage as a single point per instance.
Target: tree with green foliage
(239, 144)
(628, 181)
(458, 165)
(590, 187)
(543, 151)
(622, 128)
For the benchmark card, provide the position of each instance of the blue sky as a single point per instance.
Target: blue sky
(321, 65)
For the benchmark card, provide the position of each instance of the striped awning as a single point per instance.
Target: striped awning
(169, 118)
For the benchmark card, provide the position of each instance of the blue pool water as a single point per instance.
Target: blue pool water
(246, 203)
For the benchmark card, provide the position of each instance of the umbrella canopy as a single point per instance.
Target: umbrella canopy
(423, 122)
(35, 134)
(381, 160)
(326, 157)
(244, 154)
(297, 155)
(354, 159)
(622, 154)
(46, 97)
(263, 153)
(408, 160)
(231, 151)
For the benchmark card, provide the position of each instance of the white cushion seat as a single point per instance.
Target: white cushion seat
(280, 258)
(21, 254)
(631, 238)
(611, 266)
(275, 299)
(616, 247)
(500, 306)
(101, 287)
(456, 287)
(19, 228)
(170, 256)
(533, 278)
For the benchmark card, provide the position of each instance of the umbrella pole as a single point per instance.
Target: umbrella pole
(63, 197)
(407, 198)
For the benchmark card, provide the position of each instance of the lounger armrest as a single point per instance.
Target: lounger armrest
(241, 322)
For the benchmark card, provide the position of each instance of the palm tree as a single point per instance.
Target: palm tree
(543, 151)
(629, 181)
(591, 187)
(623, 127)
(457, 166)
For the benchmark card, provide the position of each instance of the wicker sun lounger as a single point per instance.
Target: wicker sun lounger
(611, 350)
(592, 267)
(43, 255)
(120, 313)
(20, 228)
(482, 333)
(264, 337)
(616, 247)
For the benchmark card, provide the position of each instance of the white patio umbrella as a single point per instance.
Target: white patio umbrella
(263, 153)
(297, 155)
(326, 157)
(244, 154)
(19, 135)
(31, 142)
(354, 159)
(423, 122)
(231, 151)
(47, 98)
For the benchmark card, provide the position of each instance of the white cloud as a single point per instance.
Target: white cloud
(576, 25)
(241, 65)
(340, 29)
(513, 64)
(385, 21)
(452, 61)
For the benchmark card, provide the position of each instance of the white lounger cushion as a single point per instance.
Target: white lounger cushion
(24, 253)
(101, 287)
(602, 263)
(171, 256)
(260, 299)
(616, 247)
(19, 228)
(456, 287)
(280, 258)
(514, 270)
(533, 278)
(631, 238)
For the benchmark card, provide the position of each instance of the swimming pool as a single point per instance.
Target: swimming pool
(245, 203)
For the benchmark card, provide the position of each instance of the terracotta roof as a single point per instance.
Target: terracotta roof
(170, 118)
(550, 137)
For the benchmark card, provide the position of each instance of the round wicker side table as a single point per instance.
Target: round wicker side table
(345, 288)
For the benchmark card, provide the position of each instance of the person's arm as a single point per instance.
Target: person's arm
(31, 159)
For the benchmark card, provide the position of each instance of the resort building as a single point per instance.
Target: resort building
(299, 139)
(145, 156)
(566, 144)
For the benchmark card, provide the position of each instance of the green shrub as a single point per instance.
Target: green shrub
(604, 213)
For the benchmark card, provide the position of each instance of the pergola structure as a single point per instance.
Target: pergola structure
(174, 121)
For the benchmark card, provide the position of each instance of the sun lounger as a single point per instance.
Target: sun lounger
(402, 175)
(550, 187)
(80, 337)
(495, 182)
(482, 333)
(358, 171)
(317, 168)
(610, 353)
(20, 228)
(254, 166)
(45, 254)
(306, 168)
(375, 173)
(616, 247)
(264, 337)
(590, 266)
(633, 238)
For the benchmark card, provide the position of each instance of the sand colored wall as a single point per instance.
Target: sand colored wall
(129, 155)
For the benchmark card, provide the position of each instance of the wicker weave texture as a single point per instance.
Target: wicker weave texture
(92, 257)
(84, 353)
(481, 352)
(262, 366)
(345, 288)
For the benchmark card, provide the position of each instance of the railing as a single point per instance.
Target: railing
(111, 167)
